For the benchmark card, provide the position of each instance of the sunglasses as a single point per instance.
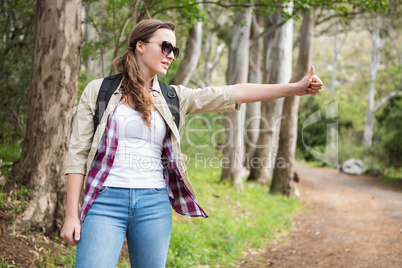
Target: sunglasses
(167, 48)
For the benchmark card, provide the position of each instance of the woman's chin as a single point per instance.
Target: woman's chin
(162, 72)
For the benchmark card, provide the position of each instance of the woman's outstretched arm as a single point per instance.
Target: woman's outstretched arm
(309, 84)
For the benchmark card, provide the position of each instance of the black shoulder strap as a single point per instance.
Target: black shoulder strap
(172, 101)
(109, 85)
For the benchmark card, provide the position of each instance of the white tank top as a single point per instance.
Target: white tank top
(138, 162)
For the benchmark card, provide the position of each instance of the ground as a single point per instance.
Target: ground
(351, 221)
(21, 250)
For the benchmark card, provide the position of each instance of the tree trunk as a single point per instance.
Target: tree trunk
(89, 63)
(54, 85)
(211, 63)
(191, 56)
(237, 73)
(253, 113)
(331, 154)
(276, 70)
(375, 62)
(336, 49)
(283, 172)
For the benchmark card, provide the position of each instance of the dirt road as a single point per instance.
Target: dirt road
(352, 221)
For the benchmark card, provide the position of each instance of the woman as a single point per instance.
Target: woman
(125, 198)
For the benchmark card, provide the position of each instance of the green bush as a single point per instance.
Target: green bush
(390, 132)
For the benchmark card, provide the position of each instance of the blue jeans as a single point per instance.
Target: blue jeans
(142, 215)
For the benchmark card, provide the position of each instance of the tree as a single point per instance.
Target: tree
(113, 19)
(16, 48)
(212, 51)
(54, 77)
(237, 73)
(89, 63)
(288, 133)
(376, 43)
(380, 25)
(191, 55)
(253, 113)
(283, 174)
(277, 69)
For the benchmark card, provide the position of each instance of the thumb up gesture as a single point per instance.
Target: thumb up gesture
(309, 84)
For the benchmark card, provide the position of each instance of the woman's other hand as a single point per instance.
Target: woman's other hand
(71, 230)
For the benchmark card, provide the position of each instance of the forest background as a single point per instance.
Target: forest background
(354, 46)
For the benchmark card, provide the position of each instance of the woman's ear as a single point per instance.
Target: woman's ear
(139, 46)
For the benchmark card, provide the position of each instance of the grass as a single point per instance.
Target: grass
(65, 259)
(391, 179)
(4, 264)
(238, 222)
(9, 152)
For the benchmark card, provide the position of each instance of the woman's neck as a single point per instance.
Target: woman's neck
(146, 74)
(148, 83)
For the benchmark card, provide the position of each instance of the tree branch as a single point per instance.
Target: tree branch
(350, 15)
(195, 83)
(384, 100)
(102, 52)
(268, 31)
(146, 9)
(338, 50)
(218, 52)
(394, 43)
(216, 3)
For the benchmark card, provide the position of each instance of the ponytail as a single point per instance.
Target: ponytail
(133, 84)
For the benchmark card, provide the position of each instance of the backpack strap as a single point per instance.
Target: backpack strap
(172, 100)
(108, 87)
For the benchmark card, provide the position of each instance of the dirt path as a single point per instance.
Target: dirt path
(353, 221)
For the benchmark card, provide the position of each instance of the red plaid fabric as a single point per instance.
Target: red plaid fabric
(180, 198)
(101, 165)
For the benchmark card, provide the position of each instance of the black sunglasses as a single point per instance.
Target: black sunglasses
(167, 48)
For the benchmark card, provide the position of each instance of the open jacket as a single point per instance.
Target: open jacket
(88, 151)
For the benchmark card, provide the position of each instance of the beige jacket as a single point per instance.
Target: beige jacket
(83, 145)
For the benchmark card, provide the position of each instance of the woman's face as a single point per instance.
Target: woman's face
(149, 55)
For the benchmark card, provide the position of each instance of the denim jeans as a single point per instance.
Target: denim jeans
(142, 215)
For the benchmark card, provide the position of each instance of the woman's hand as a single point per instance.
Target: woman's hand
(71, 230)
(72, 226)
(309, 84)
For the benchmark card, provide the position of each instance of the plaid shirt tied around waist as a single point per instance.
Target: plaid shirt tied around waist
(180, 197)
